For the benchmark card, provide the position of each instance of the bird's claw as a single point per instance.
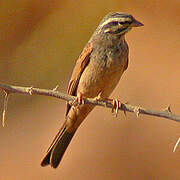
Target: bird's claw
(116, 106)
(78, 101)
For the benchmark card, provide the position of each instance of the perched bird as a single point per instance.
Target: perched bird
(97, 72)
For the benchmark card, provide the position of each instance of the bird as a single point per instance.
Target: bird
(96, 73)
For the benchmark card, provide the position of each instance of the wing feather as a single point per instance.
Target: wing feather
(79, 68)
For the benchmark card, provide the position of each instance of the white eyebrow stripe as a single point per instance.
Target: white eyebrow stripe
(109, 20)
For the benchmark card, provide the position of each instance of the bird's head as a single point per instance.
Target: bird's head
(118, 23)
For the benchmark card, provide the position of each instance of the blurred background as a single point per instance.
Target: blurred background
(40, 41)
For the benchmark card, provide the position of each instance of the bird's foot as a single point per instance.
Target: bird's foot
(78, 101)
(116, 105)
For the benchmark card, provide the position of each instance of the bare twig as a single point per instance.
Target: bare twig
(176, 145)
(93, 101)
(5, 107)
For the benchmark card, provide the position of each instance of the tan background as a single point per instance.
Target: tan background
(39, 43)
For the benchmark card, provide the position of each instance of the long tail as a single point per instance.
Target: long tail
(57, 148)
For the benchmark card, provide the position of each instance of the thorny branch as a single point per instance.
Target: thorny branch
(8, 89)
(166, 113)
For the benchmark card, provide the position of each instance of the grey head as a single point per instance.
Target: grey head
(117, 24)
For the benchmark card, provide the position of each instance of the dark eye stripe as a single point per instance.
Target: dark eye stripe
(125, 22)
(114, 23)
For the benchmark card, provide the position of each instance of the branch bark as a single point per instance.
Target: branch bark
(9, 89)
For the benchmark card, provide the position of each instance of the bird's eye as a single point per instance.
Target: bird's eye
(114, 23)
(124, 22)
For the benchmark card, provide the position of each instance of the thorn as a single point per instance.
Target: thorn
(124, 111)
(29, 90)
(55, 89)
(126, 103)
(98, 97)
(176, 145)
(136, 111)
(168, 109)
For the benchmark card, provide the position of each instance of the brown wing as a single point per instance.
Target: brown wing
(81, 64)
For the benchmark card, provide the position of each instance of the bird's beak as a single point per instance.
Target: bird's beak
(136, 23)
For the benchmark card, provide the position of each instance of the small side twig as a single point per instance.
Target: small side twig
(5, 107)
(176, 145)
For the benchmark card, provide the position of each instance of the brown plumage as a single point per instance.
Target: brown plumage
(97, 71)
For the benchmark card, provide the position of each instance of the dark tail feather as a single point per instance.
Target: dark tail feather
(57, 148)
